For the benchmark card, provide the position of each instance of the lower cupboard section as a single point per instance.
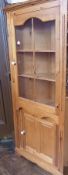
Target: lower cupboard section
(37, 136)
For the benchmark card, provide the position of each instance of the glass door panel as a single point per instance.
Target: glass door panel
(45, 61)
(45, 92)
(36, 60)
(26, 87)
(45, 66)
(44, 35)
(24, 36)
(25, 65)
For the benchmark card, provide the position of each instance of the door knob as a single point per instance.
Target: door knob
(18, 43)
(13, 63)
(57, 106)
(23, 132)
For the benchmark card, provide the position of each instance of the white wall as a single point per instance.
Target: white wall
(16, 1)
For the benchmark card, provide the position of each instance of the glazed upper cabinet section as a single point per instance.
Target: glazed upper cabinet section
(38, 59)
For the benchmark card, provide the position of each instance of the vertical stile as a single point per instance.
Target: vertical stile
(33, 45)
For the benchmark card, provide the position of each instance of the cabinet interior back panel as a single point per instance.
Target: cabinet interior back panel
(44, 35)
(25, 63)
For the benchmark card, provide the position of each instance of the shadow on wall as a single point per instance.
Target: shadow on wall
(6, 120)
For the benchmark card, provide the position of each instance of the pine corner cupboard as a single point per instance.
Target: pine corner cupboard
(37, 36)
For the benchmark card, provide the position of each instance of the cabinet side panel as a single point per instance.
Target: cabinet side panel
(66, 135)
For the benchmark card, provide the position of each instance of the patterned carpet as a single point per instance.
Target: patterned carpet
(12, 164)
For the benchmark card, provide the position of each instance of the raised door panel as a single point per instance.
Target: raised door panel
(30, 131)
(17, 128)
(27, 132)
(48, 138)
(41, 138)
(20, 129)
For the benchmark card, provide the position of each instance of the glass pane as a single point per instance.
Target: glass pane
(26, 86)
(45, 66)
(44, 35)
(45, 61)
(24, 36)
(36, 61)
(25, 63)
(45, 92)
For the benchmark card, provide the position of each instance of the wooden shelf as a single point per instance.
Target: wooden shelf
(45, 51)
(36, 51)
(22, 51)
(26, 76)
(45, 77)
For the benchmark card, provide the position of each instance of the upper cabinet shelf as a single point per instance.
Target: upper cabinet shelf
(36, 51)
(23, 51)
(45, 77)
(45, 51)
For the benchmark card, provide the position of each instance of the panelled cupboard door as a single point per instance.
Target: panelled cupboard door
(37, 57)
(38, 137)
(30, 137)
